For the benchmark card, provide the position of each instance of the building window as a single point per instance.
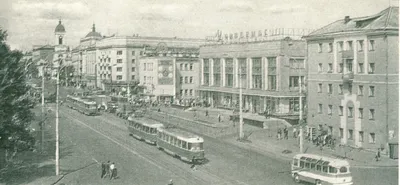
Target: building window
(144, 67)
(191, 79)
(294, 63)
(181, 80)
(330, 90)
(371, 69)
(119, 52)
(256, 73)
(133, 69)
(360, 113)
(133, 61)
(340, 70)
(361, 136)
(341, 133)
(360, 90)
(186, 67)
(350, 134)
(150, 66)
(109, 76)
(109, 67)
(360, 67)
(119, 77)
(340, 89)
(272, 82)
(181, 92)
(186, 79)
(320, 88)
(144, 79)
(330, 49)
(340, 46)
(349, 65)
(320, 67)
(186, 92)
(217, 79)
(371, 137)
(360, 45)
(330, 69)
(320, 48)
(350, 89)
(371, 91)
(133, 53)
(119, 69)
(191, 67)
(320, 108)
(349, 112)
(350, 45)
(191, 92)
(119, 61)
(206, 71)
(371, 46)
(371, 114)
(340, 110)
(330, 109)
(133, 77)
(293, 81)
(294, 105)
(181, 67)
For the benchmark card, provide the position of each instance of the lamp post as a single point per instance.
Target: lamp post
(241, 134)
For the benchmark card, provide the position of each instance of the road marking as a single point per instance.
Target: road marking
(116, 142)
(95, 160)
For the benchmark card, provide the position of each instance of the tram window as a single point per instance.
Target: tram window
(295, 162)
(302, 164)
(343, 169)
(184, 145)
(201, 146)
(325, 169)
(189, 146)
(179, 143)
(318, 167)
(313, 166)
(307, 165)
(332, 169)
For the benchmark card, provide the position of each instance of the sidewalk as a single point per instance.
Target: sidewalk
(286, 149)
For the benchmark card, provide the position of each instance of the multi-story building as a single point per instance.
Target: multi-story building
(268, 70)
(353, 81)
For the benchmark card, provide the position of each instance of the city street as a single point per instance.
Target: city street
(90, 140)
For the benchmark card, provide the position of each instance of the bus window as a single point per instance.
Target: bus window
(343, 169)
(302, 164)
(318, 167)
(295, 162)
(325, 169)
(332, 169)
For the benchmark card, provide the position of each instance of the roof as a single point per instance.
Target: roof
(181, 134)
(59, 27)
(146, 122)
(323, 160)
(93, 33)
(384, 20)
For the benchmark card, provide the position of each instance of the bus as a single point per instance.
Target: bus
(85, 106)
(320, 170)
(143, 129)
(179, 143)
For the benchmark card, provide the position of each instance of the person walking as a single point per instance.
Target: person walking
(107, 169)
(378, 154)
(285, 132)
(219, 117)
(193, 167)
(112, 171)
(279, 133)
(294, 132)
(103, 169)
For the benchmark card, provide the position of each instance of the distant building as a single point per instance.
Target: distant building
(267, 70)
(353, 82)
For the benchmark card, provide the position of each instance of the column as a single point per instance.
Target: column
(355, 62)
(235, 72)
(223, 72)
(249, 73)
(263, 73)
(201, 72)
(265, 62)
(211, 61)
(335, 63)
(278, 72)
(366, 56)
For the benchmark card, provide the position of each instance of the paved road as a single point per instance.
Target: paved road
(88, 140)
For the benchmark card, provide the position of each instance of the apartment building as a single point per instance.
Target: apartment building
(353, 81)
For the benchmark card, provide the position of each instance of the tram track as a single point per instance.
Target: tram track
(167, 163)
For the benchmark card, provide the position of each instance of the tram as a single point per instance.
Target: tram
(143, 129)
(179, 143)
(84, 106)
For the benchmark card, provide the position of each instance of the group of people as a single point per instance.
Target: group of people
(285, 133)
(108, 170)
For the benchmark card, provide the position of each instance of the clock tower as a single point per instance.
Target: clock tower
(59, 33)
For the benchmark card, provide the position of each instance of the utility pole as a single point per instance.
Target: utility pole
(57, 117)
(241, 135)
(42, 123)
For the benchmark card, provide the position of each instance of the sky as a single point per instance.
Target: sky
(32, 22)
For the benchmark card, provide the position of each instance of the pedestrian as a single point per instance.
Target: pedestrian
(194, 115)
(378, 154)
(219, 117)
(206, 113)
(285, 132)
(279, 133)
(294, 132)
(103, 169)
(193, 167)
(112, 171)
(107, 169)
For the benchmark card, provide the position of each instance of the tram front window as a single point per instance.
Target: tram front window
(195, 146)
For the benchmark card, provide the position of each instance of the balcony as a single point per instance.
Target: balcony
(348, 77)
(349, 54)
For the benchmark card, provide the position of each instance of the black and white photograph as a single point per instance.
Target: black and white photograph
(199, 92)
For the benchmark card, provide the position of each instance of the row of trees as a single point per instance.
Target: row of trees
(15, 115)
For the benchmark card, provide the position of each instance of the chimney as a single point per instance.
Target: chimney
(346, 19)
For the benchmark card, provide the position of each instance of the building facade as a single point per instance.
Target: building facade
(268, 72)
(353, 70)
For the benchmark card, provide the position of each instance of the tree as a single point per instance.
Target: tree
(66, 72)
(15, 115)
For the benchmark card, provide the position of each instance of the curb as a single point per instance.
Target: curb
(189, 120)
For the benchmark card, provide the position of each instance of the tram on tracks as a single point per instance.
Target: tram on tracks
(144, 129)
(182, 144)
(82, 105)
